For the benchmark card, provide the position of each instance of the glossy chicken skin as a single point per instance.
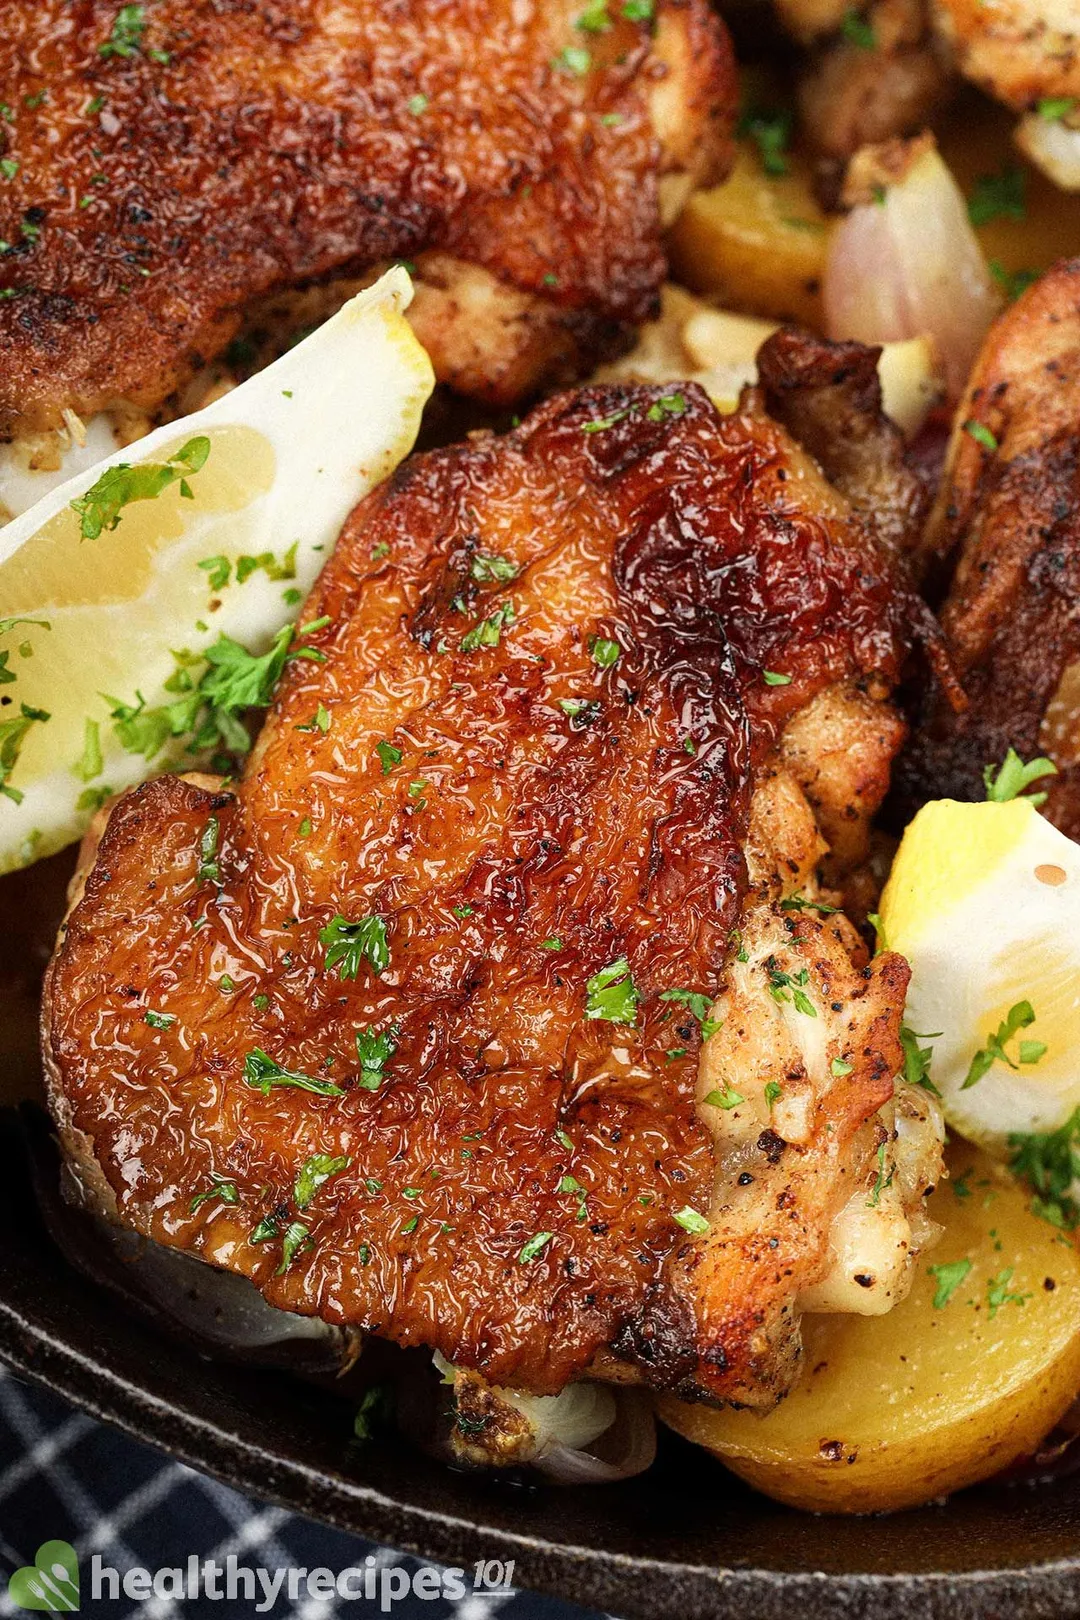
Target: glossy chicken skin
(169, 174)
(576, 756)
(1007, 531)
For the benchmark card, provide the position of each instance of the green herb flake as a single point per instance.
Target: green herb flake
(691, 1221)
(374, 1051)
(209, 869)
(158, 1020)
(99, 509)
(790, 987)
(771, 134)
(917, 1058)
(667, 405)
(1055, 108)
(573, 59)
(948, 1277)
(724, 1099)
(998, 196)
(534, 1247)
(217, 570)
(639, 10)
(89, 763)
(1009, 779)
(1012, 282)
(265, 1231)
(13, 734)
(1049, 1162)
(375, 1409)
(417, 104)
(260, 1003)
(9, 168)
(594, 19)
(264, 1075)
(314, 1172)
(600, 424)
(881, 1181)
(565, 1140)
(840, 1068)
(604, 652)
(1020, 1016)
(998, 1292)
(224, 1191)
(612, 995)
(320, 721)
(462, 911)
(771, 678)
(350, 943)
(773, 1092)
(297, 1236)
(858, 31)
(488, 632)
(980, 433)
(389, 756)
(486, 566)
(552, 943)
(799, 902)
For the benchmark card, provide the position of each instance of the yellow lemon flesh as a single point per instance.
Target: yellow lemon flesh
(984, 901)
(230, 545)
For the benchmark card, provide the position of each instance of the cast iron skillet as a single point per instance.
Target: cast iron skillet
(683, 1541)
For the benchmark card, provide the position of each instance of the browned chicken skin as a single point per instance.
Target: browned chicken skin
(523, 807)
(222, 151)
(1006, 526)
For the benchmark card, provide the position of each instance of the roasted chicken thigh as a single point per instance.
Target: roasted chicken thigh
(498, 1008)
(168, 165)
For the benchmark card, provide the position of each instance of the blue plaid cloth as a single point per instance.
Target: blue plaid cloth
(65, 1477)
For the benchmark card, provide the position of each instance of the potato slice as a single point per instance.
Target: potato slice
(956, 1383)
(757, 243)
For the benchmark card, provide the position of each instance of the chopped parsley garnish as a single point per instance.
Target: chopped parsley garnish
(224, 1191)
(840, 1068)
(417, 104)
(566, 1140)
(313, 1172)
(998, 196)
(552, 943)
(374, 1410)
(125, 40)
(119, 486)
(262, 1074)
(1019, 1017)
(917, 1058)
(350, 943)
(297, 1237)
(1049, 1161)
(1012, 282)
(581, 712)
(600, 424)
(603, 651)
(12, 736)
(611, 994)
(638, 10)
(1054, 108)
(534, 1247)
(489, 630)
(771, 678)
(789, 987)
(948, 1277)
(570, 1187)
(158, 1020)
(9, 168)
(980, 433)
(89, 763)
(486, 566)
(666, 405)
(594, 19)
(1008, 780)
(260, 1002)
(217, 570)
(773, 1092)
(320, 721)
(882, 1181)
(209, 869)
(266, 1229)
(573, 59)
(724, 1099)
(771, 133)
(389, 756)
(858, 31)
(699, 1004)
(374, 1052)
(998, 1292)
(799, 902)
(691, 1221)
(462, 911)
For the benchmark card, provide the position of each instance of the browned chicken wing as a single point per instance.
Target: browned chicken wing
(173, 163)
(407, 1025)
(1007, 523)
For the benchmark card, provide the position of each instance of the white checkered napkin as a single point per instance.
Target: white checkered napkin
(62, 1475)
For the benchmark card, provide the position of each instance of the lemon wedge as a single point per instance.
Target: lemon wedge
(984, 901)
(114, 585)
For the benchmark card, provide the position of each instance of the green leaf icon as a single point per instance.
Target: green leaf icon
(50, 1583)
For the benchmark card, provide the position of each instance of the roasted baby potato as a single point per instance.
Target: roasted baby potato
(757, 243)
(956, 1383)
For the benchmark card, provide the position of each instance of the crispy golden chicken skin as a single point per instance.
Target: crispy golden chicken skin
(425, 991)
(174, 167)
(1006, 525)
